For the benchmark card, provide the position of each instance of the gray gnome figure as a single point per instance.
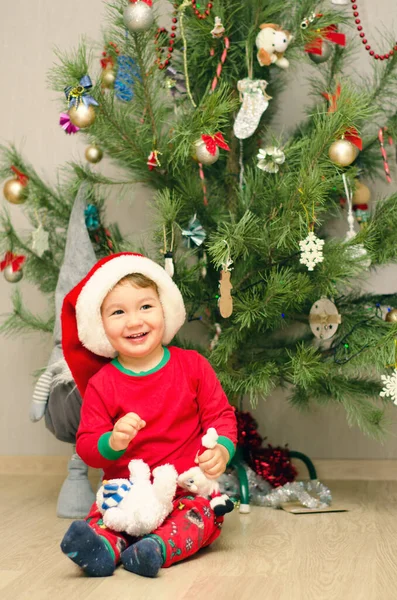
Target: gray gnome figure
(56, 396)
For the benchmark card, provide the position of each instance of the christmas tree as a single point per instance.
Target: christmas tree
(240, 214)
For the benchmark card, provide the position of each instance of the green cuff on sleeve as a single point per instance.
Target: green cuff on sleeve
(228, 444)
(105, 450)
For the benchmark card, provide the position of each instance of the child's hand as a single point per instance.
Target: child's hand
(125, 430)
(213, 461)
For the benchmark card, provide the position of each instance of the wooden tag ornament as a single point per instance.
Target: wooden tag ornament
(225, 302)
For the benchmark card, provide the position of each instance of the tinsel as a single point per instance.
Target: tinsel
(271, 463)
(311, 494)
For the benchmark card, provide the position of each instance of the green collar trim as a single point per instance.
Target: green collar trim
(166, 357)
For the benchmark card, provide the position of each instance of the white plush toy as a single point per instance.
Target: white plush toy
(272, 42)
(135, 505)
(195, 481)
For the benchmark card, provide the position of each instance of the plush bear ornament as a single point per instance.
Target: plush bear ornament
(196, 482)
(135, 505)
(272, 42)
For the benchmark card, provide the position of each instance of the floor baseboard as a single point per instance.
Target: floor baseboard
(327, 469)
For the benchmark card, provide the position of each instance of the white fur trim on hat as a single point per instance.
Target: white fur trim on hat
(88, 306)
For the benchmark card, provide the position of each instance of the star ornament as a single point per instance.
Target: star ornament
(390, 386)
(311, 251)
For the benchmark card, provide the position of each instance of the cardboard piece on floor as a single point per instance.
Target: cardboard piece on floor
(297, 509)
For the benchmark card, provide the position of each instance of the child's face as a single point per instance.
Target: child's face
(133, 320)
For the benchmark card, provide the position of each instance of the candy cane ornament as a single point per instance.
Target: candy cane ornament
(384, 155)
(221, 63)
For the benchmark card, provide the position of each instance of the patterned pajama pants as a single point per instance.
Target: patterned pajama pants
(190, 526)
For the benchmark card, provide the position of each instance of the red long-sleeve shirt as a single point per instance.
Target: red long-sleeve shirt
(179, 402)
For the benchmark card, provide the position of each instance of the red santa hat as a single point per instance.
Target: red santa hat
(85, 345)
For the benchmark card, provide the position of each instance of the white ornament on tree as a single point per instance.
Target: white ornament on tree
(254, 103)
(40, 240)
(270, 158)
(390, 386)
(311, 251)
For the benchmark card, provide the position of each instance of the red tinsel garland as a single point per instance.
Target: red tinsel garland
(273, 464)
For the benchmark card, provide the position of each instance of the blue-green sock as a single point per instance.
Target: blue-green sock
(143, 558)
(88, 550)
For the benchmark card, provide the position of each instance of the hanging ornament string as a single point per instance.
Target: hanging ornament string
(241, 164)
(384, 155)
(168, 254)
(182, 10)
(364, 40)
(350, 217)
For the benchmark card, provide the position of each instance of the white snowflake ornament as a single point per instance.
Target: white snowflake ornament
(311, 251)
(390, 387)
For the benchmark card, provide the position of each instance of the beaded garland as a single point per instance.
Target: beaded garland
(171, 41)
(198, 14)
(364, 39)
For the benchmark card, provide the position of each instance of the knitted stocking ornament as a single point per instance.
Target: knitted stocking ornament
(254, 103)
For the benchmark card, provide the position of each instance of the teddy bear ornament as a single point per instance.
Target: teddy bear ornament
(272, 41)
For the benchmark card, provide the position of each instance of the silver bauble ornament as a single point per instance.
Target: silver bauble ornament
(342, 153)
(108, 78)
(326, 51)
(82, 116)
(12, 276)
(93, 154)
(14, 192)
(138, 16)
(202, 155)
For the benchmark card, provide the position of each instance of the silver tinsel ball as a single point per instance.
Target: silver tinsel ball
(326, 51)
(138, 16)
(201, 154)
(12, 276)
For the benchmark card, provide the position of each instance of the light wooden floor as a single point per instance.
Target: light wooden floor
(267, 555)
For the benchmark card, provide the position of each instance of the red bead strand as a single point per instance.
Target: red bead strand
(169, 44)
(364, 39)
(198, 14)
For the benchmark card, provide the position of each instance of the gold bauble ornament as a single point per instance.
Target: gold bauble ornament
(108, 78)
(93, 154)
(82, 116)
(14, 191)
(138, 16)
(361, 195)
(326, 50)
(202, 155)
(391, 316)
(342, 153)
(12, 276)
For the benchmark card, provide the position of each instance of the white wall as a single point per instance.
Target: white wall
(29, 117)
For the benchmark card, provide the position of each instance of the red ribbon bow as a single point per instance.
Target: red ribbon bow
(14, 260)
(329, 33)
(212, 141)
(352, 136)
(22, 178)
(148, 2)
(333, 99)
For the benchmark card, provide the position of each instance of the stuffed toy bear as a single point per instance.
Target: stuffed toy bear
(272, 42)
(136, 505)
